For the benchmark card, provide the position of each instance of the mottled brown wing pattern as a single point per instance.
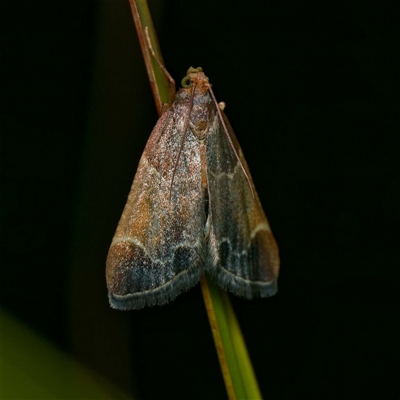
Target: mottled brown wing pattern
(156, 255)
(243, 255)
(165, 240)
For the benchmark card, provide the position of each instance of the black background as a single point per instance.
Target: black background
(312, 93)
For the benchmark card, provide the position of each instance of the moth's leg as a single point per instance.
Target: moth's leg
(164, 108)
(167, 74)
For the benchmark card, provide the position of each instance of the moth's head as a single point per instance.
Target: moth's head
(196, 77)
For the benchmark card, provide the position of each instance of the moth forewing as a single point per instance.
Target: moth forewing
(157, 250)
(243, 254)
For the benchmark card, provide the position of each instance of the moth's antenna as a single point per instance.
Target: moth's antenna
(230, 141)
(185, 129)
(170, 78)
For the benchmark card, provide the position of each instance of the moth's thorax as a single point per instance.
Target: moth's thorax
(203, 108)
(201, 115)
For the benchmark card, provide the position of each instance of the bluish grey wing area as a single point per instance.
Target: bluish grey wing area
(158, 249)
(242, 252)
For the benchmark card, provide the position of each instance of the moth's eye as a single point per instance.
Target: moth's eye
(186, 81)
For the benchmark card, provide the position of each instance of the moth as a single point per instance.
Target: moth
(192, 208)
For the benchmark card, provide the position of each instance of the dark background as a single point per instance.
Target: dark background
(312, 91)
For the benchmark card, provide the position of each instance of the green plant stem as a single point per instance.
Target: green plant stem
(239, 377)
(235, 363)
(163, 91)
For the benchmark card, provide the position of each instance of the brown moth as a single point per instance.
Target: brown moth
(192, 209)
